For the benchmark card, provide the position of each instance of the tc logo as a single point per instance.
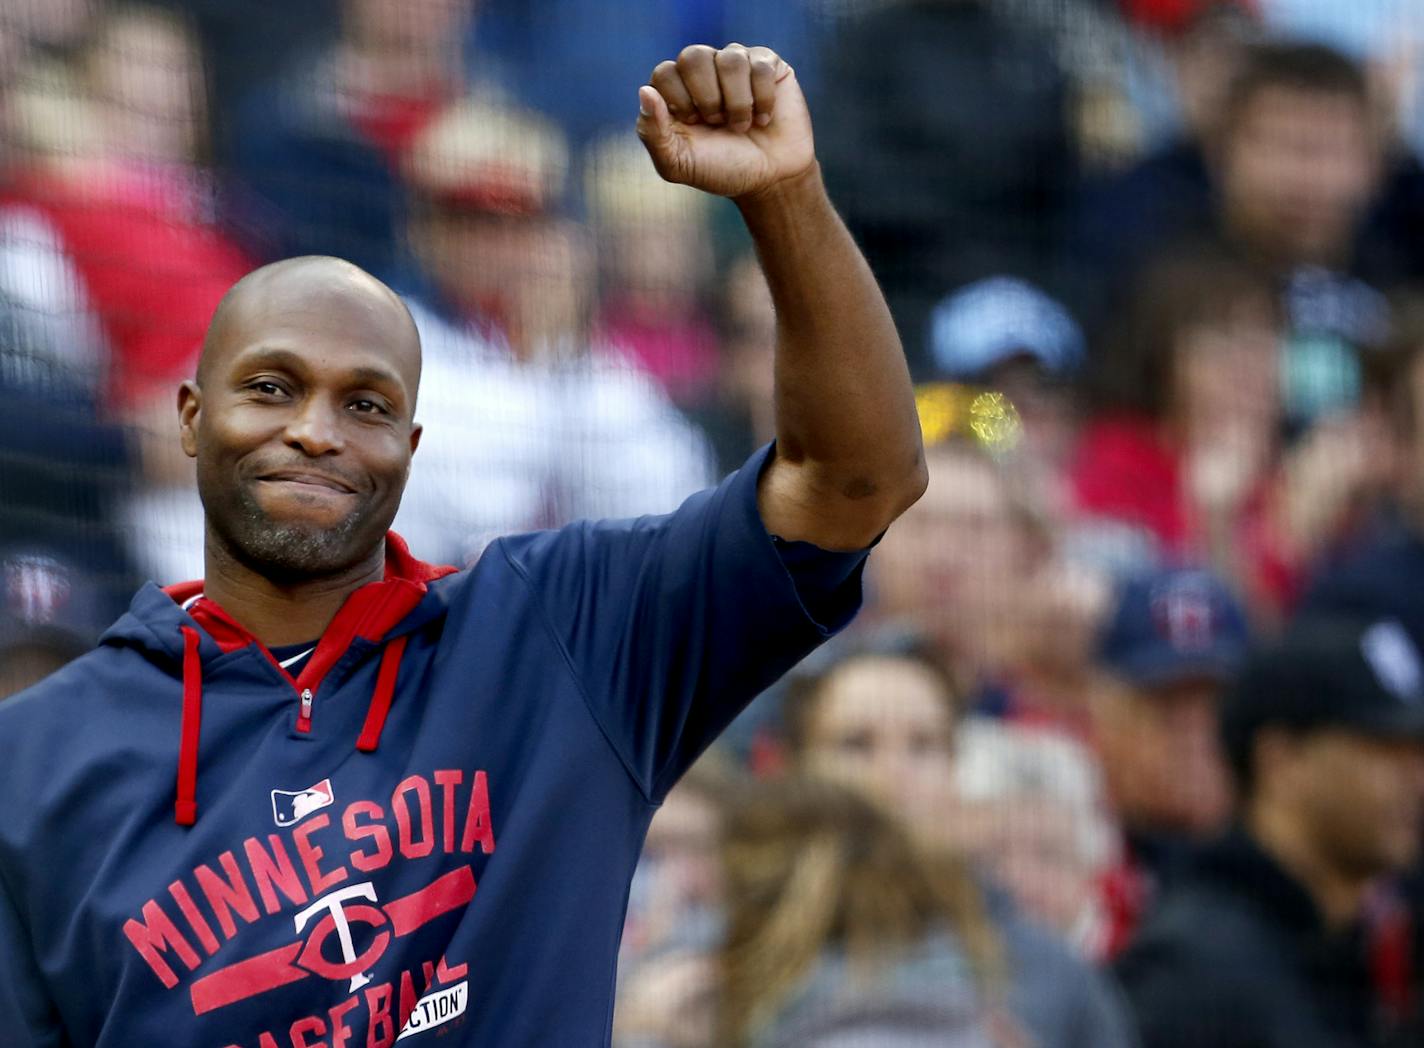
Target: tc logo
(338, 919)
(290, 807)
(335, 913)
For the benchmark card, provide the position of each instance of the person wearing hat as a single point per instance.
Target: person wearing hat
(1006, 335)
(1169, 646)
(50, 613)
(1263, 942)
(520, 390)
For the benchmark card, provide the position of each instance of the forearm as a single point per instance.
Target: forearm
(845, 411)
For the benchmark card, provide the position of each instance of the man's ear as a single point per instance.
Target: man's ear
(190, 403)
(415, 431)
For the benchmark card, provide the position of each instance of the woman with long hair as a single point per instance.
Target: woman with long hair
(841, 930)
(880, 715)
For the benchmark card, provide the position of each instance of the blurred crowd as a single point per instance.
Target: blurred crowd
(1127, 746)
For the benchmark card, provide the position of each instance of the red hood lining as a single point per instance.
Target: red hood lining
(368, 614)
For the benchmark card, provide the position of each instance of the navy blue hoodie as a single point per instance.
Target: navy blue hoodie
(431, 829)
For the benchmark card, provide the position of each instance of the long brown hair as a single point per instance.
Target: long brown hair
(1195, 282)
(811, 865)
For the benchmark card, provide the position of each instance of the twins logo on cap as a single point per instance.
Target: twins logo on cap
(1184, 617)
(36, 587)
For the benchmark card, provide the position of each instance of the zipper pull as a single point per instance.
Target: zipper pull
(304, 717)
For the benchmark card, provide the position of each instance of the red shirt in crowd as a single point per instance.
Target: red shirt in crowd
(152, 264)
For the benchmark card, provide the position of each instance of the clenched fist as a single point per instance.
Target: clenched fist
(731, 122)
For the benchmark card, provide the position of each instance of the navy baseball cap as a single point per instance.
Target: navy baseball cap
(46, 602)
(1173, 625)
(1363, 675)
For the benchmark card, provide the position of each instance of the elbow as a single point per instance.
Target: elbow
(917, 483)
(889, 498)
(907, 489)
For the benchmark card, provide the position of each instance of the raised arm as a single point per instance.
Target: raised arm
(849, 459)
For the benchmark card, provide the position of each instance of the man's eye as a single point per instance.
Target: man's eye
(367, 407)
(267, 389)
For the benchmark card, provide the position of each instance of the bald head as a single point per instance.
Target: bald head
(302, 419)
(306, 289)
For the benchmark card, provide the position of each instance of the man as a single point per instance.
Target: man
(1293, 165)
(1170, 645)
(1262, 944)
(409, 801)
(520, 390)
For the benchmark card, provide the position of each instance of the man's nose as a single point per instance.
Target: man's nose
(315, 428)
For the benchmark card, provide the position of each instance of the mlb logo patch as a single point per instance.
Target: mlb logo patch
(290, 807)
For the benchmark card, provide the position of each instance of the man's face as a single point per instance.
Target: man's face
(1160, 753)
(531, 275)
(959, 559)
(1298, 170)
(1361, 797)
(302, 428)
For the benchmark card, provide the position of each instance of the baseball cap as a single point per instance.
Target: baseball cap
(991, 321)
(1365, 675)
(1171, 625)
(45, 602)
(483, 157)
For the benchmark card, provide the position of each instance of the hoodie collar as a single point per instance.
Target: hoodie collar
(175, 621)
(399, 603)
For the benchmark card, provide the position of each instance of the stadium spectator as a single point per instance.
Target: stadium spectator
(667, 961)
(839, 931)
(532, 419)
(1263, 943)
(126, 264)
(882, 719)
(1006, 335)
(1170, 646)
(53, 357)
(1038, 824)
(132, 208)
(967, 594)
(1126, 215)
(655, 256)
(1381, 573)
(52, 340)
(1185, 416)
(979, 566)
(1183, 458)
(1301, 164)
(971, 186)
(316, 155)
(1296, 166)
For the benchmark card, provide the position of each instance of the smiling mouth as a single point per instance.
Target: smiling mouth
(313, 480)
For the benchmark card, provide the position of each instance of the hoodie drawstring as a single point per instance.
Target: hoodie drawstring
(381, 698)
(186, 810)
